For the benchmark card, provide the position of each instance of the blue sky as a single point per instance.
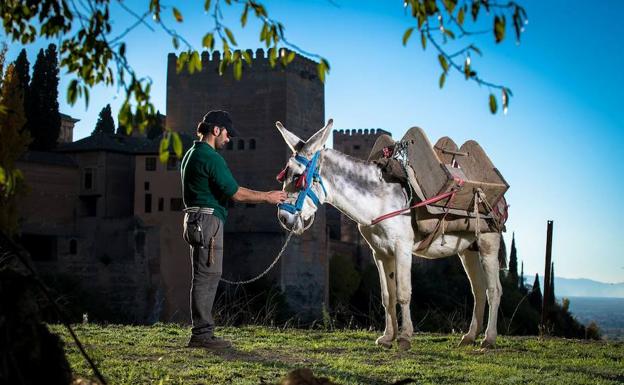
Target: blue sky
(559, 146)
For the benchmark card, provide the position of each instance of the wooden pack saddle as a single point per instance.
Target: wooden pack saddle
(434, 170)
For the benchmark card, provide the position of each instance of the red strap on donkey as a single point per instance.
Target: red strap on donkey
(434, 199)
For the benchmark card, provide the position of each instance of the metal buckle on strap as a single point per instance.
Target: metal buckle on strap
(201, 210)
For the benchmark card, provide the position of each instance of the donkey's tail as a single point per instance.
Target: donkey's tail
(502, 253)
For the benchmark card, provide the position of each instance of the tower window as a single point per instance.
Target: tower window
(161, 204)
(148, 203)
(241, 144)
(252, 144)
(88, 178)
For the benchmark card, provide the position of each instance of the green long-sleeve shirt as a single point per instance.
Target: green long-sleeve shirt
(206, 179)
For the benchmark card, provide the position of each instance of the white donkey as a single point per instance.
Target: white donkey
(314, 175)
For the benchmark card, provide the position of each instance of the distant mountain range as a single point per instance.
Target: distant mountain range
(583, 287)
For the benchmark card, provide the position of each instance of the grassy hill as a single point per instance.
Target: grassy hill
(261, 355)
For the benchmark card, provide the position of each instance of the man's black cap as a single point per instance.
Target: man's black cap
(222, 119)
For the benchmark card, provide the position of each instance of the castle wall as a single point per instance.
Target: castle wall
(108, 260)
(174, 270)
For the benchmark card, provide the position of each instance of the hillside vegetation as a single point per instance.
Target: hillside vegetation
(262, 355)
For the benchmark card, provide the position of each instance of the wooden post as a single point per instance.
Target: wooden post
(547, 288)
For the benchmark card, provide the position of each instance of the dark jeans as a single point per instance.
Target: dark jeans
(207, 261)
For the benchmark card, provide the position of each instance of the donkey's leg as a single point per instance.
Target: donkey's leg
(387, 280)
(488, 246)
(404, 293)
(474, 271)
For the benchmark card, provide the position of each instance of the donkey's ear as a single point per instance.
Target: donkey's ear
(292, 140)
(317, 141)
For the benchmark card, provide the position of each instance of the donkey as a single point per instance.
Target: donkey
(315, 175)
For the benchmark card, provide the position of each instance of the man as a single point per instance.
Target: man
(207, 184)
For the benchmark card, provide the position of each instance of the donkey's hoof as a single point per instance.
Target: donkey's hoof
(381, 341)
(404, 343)
(466, 341)
(485, 344)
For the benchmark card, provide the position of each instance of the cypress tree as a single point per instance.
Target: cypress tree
(45, 123)
(513, 262)
(521, 280)
(535, 297)
(105, 123)
(13, 142)
(22, 72)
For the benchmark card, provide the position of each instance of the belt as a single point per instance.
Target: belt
(201, 210)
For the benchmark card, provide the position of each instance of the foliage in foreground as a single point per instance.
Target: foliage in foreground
(156, 354)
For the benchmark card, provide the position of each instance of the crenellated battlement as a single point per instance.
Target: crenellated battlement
(260, 61)
(360, 132)
(357, 142)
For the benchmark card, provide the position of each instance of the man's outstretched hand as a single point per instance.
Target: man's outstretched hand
(275, 197)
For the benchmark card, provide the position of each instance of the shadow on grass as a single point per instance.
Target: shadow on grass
(285, 363)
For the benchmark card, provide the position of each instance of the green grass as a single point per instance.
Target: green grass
(151, 354)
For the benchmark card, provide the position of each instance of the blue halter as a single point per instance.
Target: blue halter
(311, 174)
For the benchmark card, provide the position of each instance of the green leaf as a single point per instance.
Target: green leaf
(195, 63)
(177, 144)
(226, 51)
(474, 10)
(290, 57)
(449, 33)
(182, 61)
(207, 5)
(450, 5)
(163, 156)
(222, 65)
(442, 79)
(237, 68)
(477, 50)
(244, 15)
(230, 36)
(423, 40)
(499, 28)
(467, 69)
(493, 106)
(272, 56)
(86, 95)
(322, 69)
(163, 150)
(505, 99)
(177, 15)
(247, 57)
(407, 34)
(443, 62)
(263, 32)
(72, 92)
(208, 41)
(461, 15)
(2, 176)
(176, 42)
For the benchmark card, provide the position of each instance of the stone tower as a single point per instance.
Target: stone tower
(295, 96)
